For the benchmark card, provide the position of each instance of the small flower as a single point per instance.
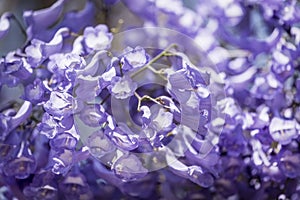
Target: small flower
(122, 87)
(134, 58)
(66, 65)
(289, 164)
(60, 104)
(93, 116)
(99, 144)
(283, 131)
(63, 141)
(35, 92)
(22, 165)
(161, 120)
(96, 39)
(43, 186)
(61, 161)
(74, 186)
(122, 137)
(4, 24)
(129, 168)
(39, 50)
(282, 66)
(17, 67)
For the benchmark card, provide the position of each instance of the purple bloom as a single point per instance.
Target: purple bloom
(43, 186)
(129, 168)
(233, 141)
(122, 87)
(251, 39)
(63, 141)
(106, 78)
(194, 173)
(161, 120)
(35, 93)
(66, 65)
(93, 116)
(49, 126)
(22, 165)
(9, 123)
(123, 137)
(97, 64)
(61, 161)
(297, 98)
(60, 104)
(39, 50)
(86, 88)
(100, 144)
(110, 2)
(149, 107)
(265, 87)
(289, 164)
(4, 24)
(282, 66)
(283, 131)
(96, 39)
(134, 58)
(7, 152)
(75, 186)
(17, 66)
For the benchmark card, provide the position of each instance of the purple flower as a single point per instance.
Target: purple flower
(9, 123)
(106, 78)
(93, 116)
(49, 126)
(129, 168)
(4, 24)
(86, 88)
(63, 141)
(161, 120)
(265, 86)
(66, 65)
(96, 39)
(122, 87)
(133, 58)
(39, 50)
(233, 141)
(35, 93)
(61, 161)
(17, 66)
(60, 104)
(283, 131)
(122, 137)
(43, 186)
(6, 152)
(194, 173)
(110, 2)
(282, 66)
(22, 165)
(75, 186)
(289, 163)
(297, 97)
(100, 144)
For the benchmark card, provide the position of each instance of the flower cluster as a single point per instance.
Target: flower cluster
(88, 111)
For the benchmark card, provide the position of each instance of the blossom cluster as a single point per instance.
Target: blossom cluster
(187, 100)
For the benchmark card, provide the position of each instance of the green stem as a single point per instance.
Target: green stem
(161, 54)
